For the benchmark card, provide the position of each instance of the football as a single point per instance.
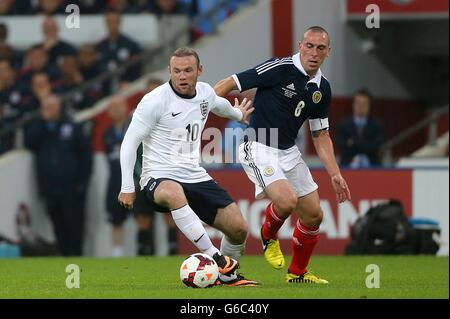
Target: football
(199, 271)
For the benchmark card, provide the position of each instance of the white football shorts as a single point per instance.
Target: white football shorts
(265, 165)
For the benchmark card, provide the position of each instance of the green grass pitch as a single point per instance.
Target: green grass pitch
(158, 277)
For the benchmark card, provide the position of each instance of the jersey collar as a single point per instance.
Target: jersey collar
(316, 79)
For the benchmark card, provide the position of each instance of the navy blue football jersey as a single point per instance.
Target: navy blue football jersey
(285, 98)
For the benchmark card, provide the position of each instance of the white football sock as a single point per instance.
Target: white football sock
(231, 250)
(191, 226)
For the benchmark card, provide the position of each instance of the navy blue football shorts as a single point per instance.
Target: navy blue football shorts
(205, 198)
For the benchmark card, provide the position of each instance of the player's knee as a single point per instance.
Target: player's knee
(171, 194)
(286, 204)
(316, 216)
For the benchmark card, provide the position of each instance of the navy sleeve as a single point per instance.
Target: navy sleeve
(321, 112)
(267, 74)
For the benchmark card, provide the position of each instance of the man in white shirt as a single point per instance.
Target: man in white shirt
(169, 122)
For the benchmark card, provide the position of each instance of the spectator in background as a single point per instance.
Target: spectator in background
(63, 160)
(7, 51)
(40, 89)
(123, 6)
(71, 78)
(117, 214)
(88, 61)
(89, 67)
(118, 49)
(55, 47)
(37, 61)
(360, 137)
(49, 7)
(161, 7)
(11, 92)
(6, 141)
(18, 7)
(6, 7)
(89, 6)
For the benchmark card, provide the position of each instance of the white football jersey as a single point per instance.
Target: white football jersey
(170, 127)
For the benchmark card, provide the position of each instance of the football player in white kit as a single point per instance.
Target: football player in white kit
(169, 122)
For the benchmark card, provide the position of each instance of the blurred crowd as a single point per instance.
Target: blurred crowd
(50, 7)
(56, 66)
(35, 81)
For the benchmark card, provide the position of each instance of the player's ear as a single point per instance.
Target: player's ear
(200, 69)
(329, 52)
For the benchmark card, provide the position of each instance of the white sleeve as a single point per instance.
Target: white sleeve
(223, 108)
(144, 120)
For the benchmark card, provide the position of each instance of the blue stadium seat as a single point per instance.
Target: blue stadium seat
(205, 5)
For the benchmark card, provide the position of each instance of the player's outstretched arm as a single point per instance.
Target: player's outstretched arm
(324, 148)
(240, 112)
(225, 86)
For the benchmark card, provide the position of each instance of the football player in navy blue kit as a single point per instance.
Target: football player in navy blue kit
(289, 91)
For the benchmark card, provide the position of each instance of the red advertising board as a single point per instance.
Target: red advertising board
(358, 7)
(367, 187)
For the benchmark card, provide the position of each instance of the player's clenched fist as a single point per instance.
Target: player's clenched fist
(127, 199)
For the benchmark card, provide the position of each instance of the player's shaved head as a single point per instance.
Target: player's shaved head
(317, 29)
(314, 49)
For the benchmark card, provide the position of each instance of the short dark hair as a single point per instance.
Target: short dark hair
(317, 28)
(185, 51)
(365, 92)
